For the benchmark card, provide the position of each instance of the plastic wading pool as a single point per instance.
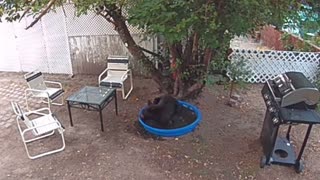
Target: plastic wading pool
(178, 131)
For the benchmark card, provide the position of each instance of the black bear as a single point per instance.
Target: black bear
(161, 110)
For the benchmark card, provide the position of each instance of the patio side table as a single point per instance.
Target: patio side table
(93, 99)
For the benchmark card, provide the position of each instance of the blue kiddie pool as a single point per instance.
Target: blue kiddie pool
(174, 132)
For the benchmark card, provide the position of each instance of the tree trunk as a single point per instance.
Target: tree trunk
(207, 56)
(171, 85)
(231, 89)
(195, 48)
(173, 53)
(164, 82)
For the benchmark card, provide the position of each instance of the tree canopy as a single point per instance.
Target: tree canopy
(193, 32)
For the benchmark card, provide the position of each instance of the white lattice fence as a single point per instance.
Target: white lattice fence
(92, 38)
(9, 58)
(90, 24)
(62, 42)
(30, 46)
(43, 47)
(56, 42)
(265, 65)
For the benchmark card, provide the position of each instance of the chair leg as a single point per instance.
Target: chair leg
(26, 97)
(43, 100)
(46, 153)
(122, 90)
(131, 88)
(23, 139)
(26, 147)
(40, 137)
(32, 140)
(131, 84)
(48, 102)
(59, 104)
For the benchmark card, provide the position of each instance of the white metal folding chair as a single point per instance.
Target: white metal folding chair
(44, 125)
(38, 88)
(116, 74)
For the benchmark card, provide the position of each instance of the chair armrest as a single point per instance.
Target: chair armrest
(53, 82)
(126, 74)
(39, 112)
(37, 90)
(101, 74)
(16, 108)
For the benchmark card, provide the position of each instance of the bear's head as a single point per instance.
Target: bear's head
(148, 114)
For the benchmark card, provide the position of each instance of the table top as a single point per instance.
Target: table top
(92, 95)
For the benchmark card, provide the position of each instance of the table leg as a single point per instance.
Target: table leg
(116, 101)
(69, 110)
(100, 113)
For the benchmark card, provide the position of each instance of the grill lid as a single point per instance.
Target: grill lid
(295, 88)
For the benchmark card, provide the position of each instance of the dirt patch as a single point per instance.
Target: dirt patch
(224, 146)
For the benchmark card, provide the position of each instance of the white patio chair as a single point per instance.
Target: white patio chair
(38, 88)
(116, 73)
(43, 125)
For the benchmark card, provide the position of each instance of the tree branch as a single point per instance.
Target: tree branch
(207, 56)
(195, 88)
(188, 53)
(27, 10)
(150, 52)
(176, 86)
(43, 12)
(107, 18)
(195, 47)
(63, 10)
(105, 14)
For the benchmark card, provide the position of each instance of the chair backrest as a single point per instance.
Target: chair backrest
(35, 80)
(118, 62)
(21, 114)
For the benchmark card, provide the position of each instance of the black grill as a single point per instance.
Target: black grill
(290, 99)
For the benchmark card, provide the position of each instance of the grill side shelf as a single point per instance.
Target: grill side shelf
(308, 116)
